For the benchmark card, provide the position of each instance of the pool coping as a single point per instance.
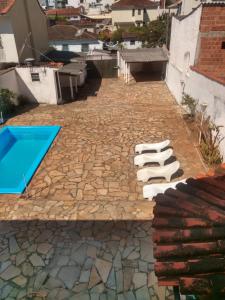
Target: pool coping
(34, 166)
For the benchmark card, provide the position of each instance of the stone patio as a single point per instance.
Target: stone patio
(78, 261)
(83, 230)
(89, 174)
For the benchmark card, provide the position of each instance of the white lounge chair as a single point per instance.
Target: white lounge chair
(154, 172)
(152, 147)
(152, 190)
(161, 157)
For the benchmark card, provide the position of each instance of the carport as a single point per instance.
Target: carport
(144, 63)
(70, 77)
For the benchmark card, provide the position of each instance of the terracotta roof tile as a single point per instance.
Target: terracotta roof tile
(69, 32)
(189, 235)
(5, 5)
(130, 4)
(67, 12)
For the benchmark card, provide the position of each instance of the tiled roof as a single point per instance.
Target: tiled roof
(68, 32)
(5, 5)
(135, 4)
(69, 12)
(189, 235)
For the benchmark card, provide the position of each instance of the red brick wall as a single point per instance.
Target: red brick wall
(212, 27)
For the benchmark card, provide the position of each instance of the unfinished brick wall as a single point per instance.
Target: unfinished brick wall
(211, 57)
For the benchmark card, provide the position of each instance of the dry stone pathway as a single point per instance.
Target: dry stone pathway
(89, 174)
(78, 260)
(83, 230)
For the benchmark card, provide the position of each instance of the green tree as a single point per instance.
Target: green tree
(117, 35)
(6, 102)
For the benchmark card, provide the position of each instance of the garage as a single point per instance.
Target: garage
(145, 64)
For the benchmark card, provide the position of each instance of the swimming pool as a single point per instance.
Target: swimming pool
(22, 148)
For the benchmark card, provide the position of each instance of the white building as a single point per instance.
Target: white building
(45, 84)
(130, 41)
(134, 12)
(197, 60)
(20, 37)
(70, 38)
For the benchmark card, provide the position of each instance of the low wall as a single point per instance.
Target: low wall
(43, 91)
(204, 90)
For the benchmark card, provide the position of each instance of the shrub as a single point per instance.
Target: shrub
(6, 102)
(210, 142)
(191, 103)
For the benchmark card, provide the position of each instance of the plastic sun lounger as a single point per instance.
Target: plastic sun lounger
(161, 157)
(152, 147)
(157, 172)
(152, 190)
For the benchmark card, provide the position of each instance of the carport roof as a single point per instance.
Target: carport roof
(73, 68)
(144, 55)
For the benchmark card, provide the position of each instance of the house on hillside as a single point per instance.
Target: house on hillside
(20, 37)
(197, 60)
(70, 38)
(126, 13)
(69, 13)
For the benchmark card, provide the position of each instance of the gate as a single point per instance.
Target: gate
(104, 68)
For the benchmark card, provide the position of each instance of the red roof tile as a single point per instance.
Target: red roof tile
(67, 12)
(6, 5)
(69, 32)
(135, 4)
(189, 235)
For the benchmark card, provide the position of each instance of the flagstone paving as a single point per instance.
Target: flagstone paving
(78, 260)
(88, 174)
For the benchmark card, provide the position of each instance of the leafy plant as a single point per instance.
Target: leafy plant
(191, 103)
(210, 142)
(6, 101)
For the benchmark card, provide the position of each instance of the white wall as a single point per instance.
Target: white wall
(180, 78)
(76, 47)
(9, 51)
(126, 15)
(127, 45)
(43, 91)
(183, 47)
(212, 93)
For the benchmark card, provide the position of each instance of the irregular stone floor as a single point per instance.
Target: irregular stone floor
(89, 174)
(78, 260)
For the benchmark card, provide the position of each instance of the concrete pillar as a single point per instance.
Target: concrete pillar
(59, 85)
(128, 79)
(71, 87)
(76, 88)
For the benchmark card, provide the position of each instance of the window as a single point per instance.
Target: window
(65, 47)
(139, 11)
(133, 12)
(223, 45)
(132, 43)
(85, 47)
(35, 77)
